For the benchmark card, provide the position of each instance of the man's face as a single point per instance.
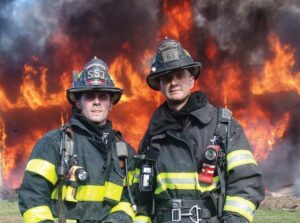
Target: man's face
(95, 106)
(176, 87)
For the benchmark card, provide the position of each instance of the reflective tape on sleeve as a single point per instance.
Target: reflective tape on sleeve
(37, 214)
(238, 158)
(241, 206)
(141, 219)
(43, 168)
(124, 206)
(113, 191)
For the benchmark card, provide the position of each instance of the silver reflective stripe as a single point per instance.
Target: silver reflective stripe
(238, 158)
(176, 181)
(240, 205)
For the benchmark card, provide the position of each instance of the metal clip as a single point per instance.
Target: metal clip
(176, 215)
(198, 218)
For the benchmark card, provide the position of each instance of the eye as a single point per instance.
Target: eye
(89, 95)
(103, 96)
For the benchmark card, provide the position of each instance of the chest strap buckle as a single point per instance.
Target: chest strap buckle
(194, 214)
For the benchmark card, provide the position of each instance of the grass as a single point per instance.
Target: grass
(278, 216)
(9, 213)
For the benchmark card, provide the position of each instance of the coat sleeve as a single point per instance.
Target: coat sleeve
(244, 187)
(124, 211)
(38, 182)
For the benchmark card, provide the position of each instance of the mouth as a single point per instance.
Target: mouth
(174, 91)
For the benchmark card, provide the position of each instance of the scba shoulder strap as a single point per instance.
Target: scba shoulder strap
(67, 141)
(222, 133)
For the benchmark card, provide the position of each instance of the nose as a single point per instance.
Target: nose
(173, 80)
(96, 100)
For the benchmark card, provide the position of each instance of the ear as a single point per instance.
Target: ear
(110, 106)
(78, 104)
(192, 81)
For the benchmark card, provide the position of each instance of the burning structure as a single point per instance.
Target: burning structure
(250, 52)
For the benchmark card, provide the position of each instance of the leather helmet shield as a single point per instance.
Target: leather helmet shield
(169, 57)
(93, 77)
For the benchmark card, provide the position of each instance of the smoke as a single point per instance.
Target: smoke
(241, 27)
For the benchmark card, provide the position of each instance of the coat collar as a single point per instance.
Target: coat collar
(203, 114)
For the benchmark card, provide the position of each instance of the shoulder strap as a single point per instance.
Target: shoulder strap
(66, 150)
(222, 132)
(223, 127)
(68, 139)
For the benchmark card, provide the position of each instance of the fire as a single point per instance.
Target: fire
(277, 72)
(211, 50)
(18, 155)
(178, 19)
(261, 133)
(3, 137)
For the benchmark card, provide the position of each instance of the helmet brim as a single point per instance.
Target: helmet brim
(154, 77)
(115, 92)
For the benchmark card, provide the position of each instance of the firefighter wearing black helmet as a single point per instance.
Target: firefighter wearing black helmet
(194, 163)
(77, 173)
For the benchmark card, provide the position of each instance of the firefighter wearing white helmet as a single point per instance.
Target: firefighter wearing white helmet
(194, 163)
(77, 173)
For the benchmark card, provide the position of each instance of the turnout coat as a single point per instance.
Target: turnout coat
(180, 141)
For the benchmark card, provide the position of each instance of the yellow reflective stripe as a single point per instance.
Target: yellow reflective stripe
(182, 181)
(141, 219)
(131, 175)
(90, 193)
(238, 158)
(241, 206)
(124, 206)
(43, 168)
(113, 191)
(37, 214)
(84, 193)
(136, 178)
(203, 187)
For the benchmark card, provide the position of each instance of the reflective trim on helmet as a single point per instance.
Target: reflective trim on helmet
(43, 168)
(241, 206)
(38, 214)
(113, 191)
(84, 193)
(238, 158)
(141, 219)
(124, 206)
(182, 181)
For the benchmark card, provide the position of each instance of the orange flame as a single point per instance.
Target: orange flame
(178, 19)
(277, 73)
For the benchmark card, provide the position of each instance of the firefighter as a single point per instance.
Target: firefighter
(194, 163)
(77, 173)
